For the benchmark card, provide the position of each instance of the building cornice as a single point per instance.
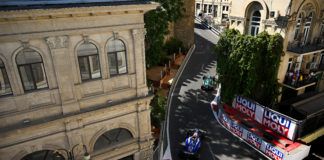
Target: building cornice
(54, 13)
(236, 18)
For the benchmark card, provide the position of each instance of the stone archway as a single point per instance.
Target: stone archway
(44, 155)
(112, 138)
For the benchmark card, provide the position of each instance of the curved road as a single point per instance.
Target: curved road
(190, 107)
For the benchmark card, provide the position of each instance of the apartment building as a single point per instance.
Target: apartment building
(73, 80)
(301, 24)
(215, 10)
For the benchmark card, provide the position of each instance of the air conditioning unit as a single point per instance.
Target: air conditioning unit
(274, 14)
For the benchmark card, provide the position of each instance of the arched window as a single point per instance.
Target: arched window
(255, 23)
(322, 29)
(321, 64)
(297, 29)
(89, 63)
(43, 155)
(117, 57)
(131, 157)
(5, 87)
(31, 70)
(112, 138)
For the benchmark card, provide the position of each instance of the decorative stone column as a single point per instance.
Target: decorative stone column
(140, 65)
(144, 130)
(74, 136)
(220, 12)
(62, 65)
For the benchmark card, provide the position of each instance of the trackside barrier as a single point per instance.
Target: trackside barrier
(164, 138)
(277, 147)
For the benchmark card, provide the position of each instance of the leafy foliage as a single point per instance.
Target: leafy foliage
(172, 46)
(249, 66)
(158, 104)
(156, 24)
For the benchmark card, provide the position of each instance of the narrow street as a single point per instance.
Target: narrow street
(190, 107)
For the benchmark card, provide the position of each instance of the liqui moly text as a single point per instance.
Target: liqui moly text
(273, 152)
(245, 106)
(226, 121)
(254, 140)
(237, 129)
(276, 122)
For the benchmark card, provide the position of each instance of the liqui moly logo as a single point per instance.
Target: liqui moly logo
(273, 152)
(276, 122)
(237, 129)
(254, 140)
(245, 106)
(226, 121)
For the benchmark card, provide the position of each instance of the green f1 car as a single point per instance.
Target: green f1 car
(209, 83)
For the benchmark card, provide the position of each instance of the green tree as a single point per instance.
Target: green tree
(172, 46)
(158, 104)
(249, 66)
(156, 24)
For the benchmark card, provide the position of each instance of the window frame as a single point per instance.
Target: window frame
(5, 70)
(298, 26)
(256, 27)
(115, 53)
(307, 28)
(322, 29)
(88, 61)
(32, 73)
(197, 6)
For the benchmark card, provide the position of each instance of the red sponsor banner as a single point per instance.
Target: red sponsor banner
(271, 119)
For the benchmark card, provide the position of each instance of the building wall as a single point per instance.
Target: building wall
(70, 111)
(185, 25)
(217, 10)
(297, 7)
(240, 15)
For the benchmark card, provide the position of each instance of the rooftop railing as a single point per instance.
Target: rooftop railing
(301, 48)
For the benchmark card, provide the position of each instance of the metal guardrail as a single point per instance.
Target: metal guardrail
(212, 29)
(164, 141)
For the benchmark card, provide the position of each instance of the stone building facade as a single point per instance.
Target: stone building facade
(217, 10)
(186, 25)
(301, 23)
(73, 75)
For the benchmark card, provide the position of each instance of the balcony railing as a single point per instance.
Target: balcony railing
(295, 81)
(300, 48)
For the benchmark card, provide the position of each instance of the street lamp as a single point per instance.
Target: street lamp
(70, 153)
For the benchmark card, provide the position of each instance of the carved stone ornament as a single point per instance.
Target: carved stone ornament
(86, 38)
(57, 42)
(308, 7)
(115, 34)
(25, 44)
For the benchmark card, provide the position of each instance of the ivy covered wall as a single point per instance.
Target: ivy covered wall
(248, 66)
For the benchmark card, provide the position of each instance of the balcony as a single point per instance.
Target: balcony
(299, 48)
(301, 81)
